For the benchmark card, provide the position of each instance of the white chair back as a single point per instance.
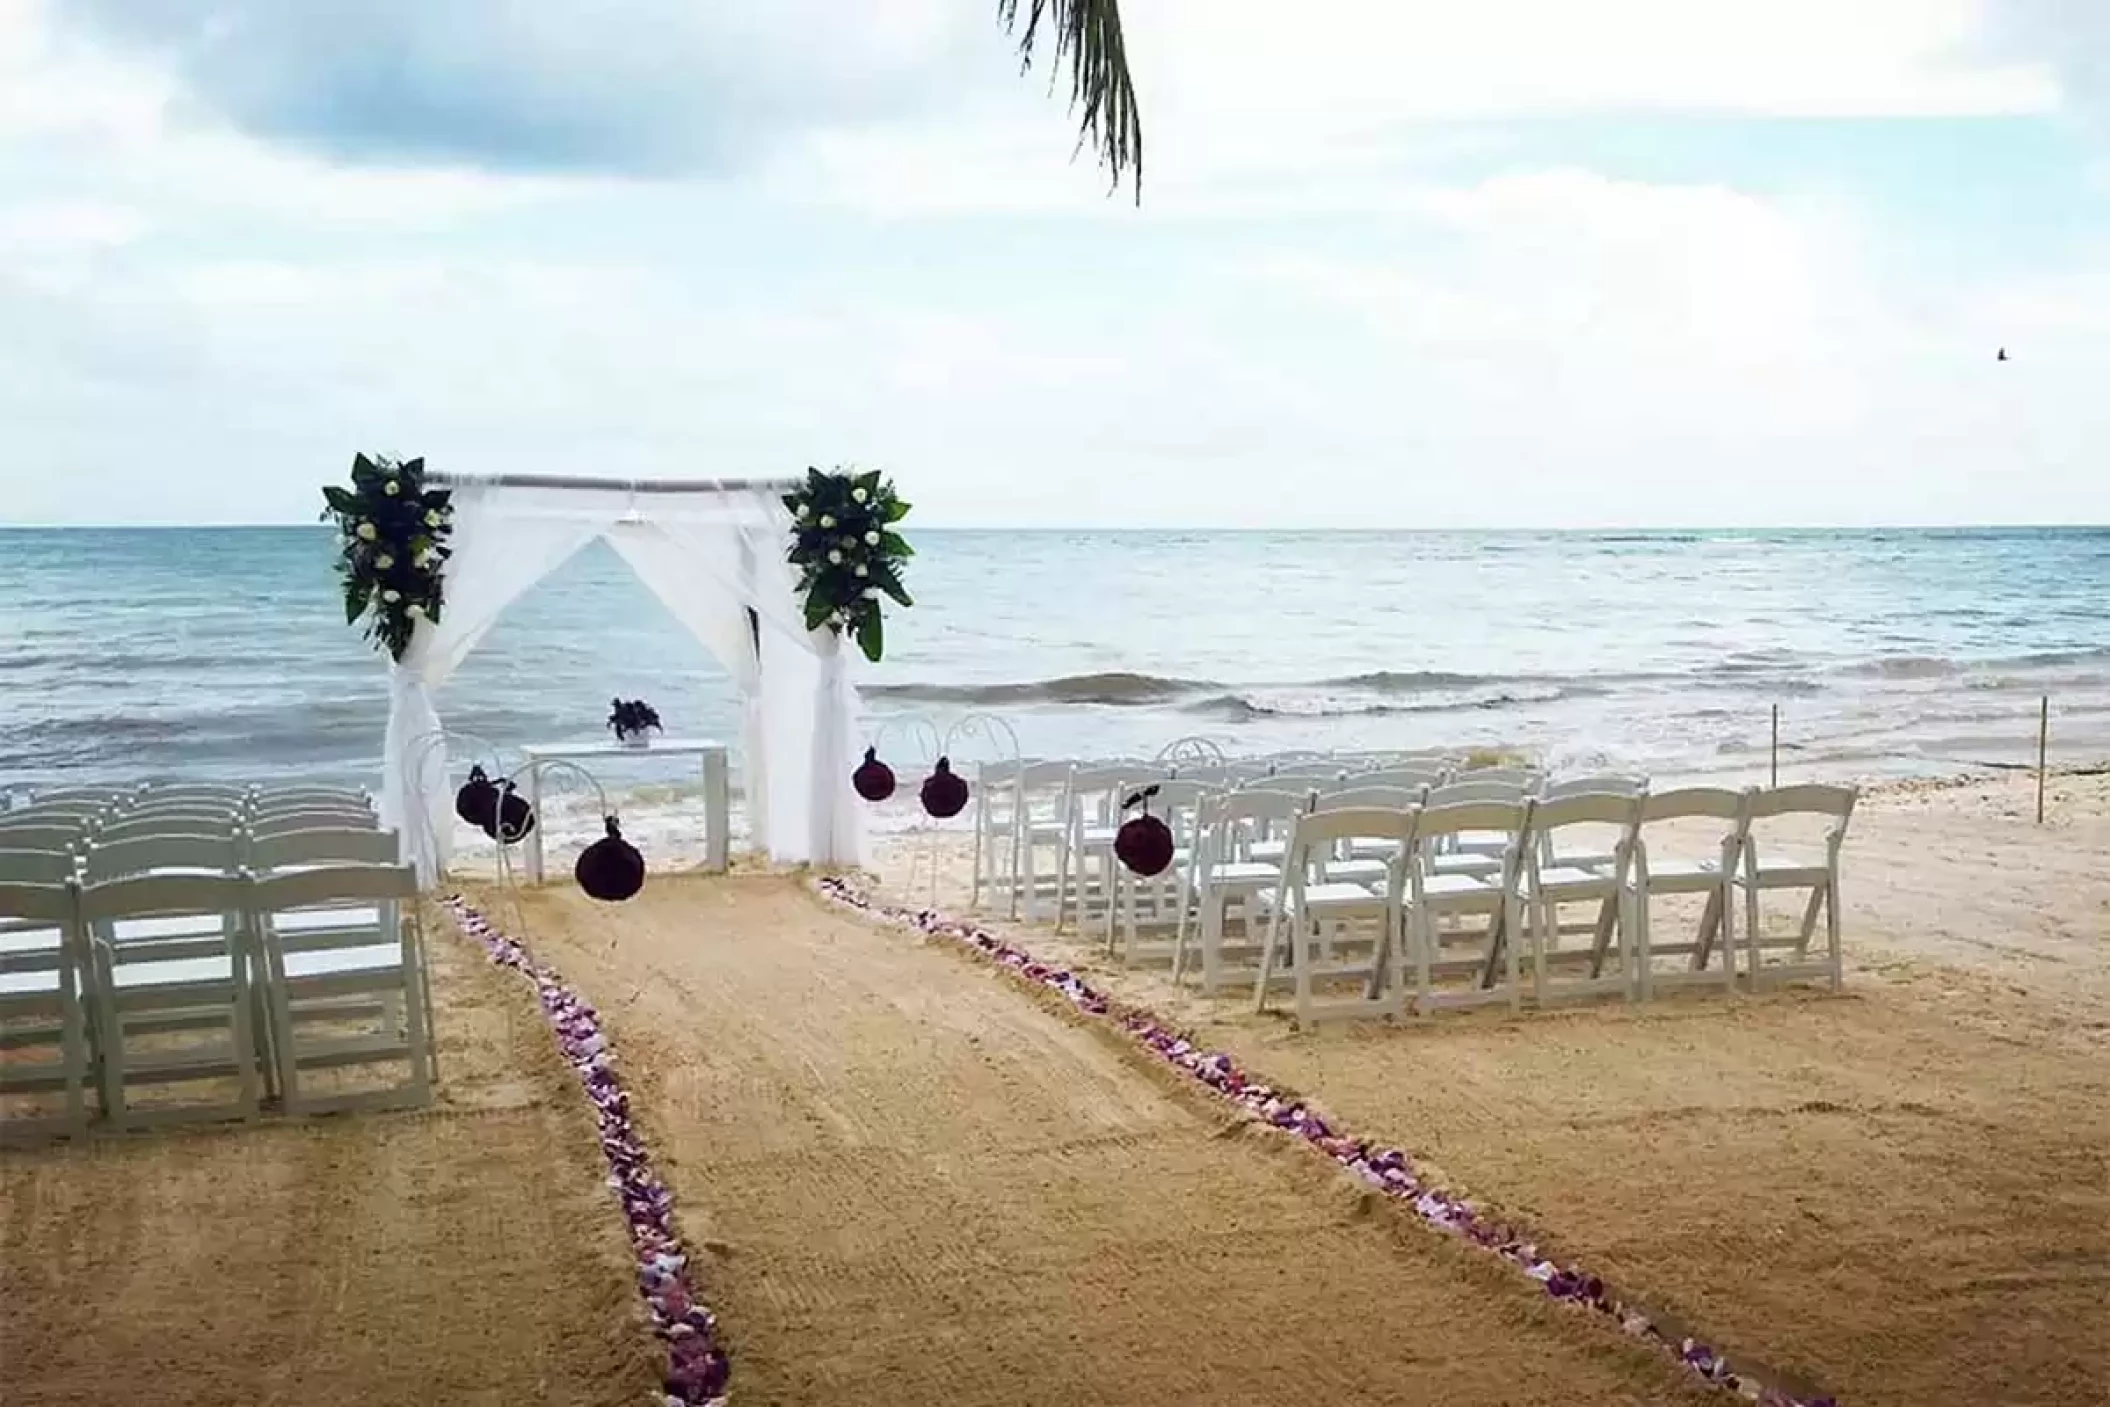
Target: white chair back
(1469, 789)
(39, 835)
(35, 866)
(286, 822)
(338, 845)
(1611, 783)
(194, 854)
(155, 827)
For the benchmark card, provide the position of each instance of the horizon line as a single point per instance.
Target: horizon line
(1073, 528)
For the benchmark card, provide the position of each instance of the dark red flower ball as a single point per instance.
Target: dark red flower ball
(1144, 844)
(873, 779)
(610, 869)
(944, 791)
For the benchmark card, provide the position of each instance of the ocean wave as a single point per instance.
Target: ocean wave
(1241, 708)
(1114, 687)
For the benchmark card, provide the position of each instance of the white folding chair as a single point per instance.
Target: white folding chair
(334, 939)
(41, 1008)
(234, 792)
(297, 798)
(1224, 873)
(1039, 795)
(1486, 957)
(1584, 856)
(65, 811)
(1765, 868)
(1162, 898)
(1319, 920)
(1656, 871)
(170, 992)
(1085, 868)
(1366, 861)
(1478, 852)
(98, 795)
(995, 794)
(1273, 848)
(1548, 886)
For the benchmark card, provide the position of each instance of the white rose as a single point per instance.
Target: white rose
(872, 539)
(871, 593)
(834, 557)
(414, 611)
(432, 519)
(393, 488)
(827, 520)
(366, 532)
(863, 570)
(391, 596)
(805, 510)
(383, 562)
(859, 494)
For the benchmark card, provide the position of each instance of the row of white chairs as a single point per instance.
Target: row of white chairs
(198, 951)
(1393, 929)
(1234, 829)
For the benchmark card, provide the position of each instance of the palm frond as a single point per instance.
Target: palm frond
(1088, 34)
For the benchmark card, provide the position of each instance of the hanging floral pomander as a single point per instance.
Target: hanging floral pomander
(1144, 843)
(610, 869)
(848, 553)
(944, 791)
(873, 779)
(477, 799)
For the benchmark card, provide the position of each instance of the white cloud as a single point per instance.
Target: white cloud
(1356, 332)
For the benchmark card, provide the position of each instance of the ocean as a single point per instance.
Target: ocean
(222, 652)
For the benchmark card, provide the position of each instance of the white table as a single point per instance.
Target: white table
(717, 789)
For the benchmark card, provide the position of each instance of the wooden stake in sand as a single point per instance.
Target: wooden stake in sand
(1776, 747)
(2043, 738)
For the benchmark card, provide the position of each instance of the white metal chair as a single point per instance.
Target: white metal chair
(334, 939)
(1764, 868)
(1319, 919)
(1436, 897)
(1548, 885)
(41, 1007)
(1656, 872)
(172, 991)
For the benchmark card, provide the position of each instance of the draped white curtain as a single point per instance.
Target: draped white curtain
(711, 557)
(505, 540)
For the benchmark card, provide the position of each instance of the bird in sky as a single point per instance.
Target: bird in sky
(2003, 354)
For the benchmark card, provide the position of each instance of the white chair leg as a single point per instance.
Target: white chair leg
(1831, 933)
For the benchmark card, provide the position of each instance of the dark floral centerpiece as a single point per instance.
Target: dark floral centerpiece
(633, 721)
(392, 544)
(848, 553)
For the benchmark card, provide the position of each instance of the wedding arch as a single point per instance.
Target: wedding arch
(713, 551)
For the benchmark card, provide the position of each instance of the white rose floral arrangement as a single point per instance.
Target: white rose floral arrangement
(392, 545)
(848, 554)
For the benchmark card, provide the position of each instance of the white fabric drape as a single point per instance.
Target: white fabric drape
(505, 540)
(710, 557)
(683, 572)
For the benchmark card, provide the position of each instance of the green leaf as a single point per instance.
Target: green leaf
(869, 482)
(340, 500)
(871, 636)
(897, 510)
(356, 593)
(817, 609)
(413, 469)
(895, 545)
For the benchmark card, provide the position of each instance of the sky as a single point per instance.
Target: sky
(1418, 263)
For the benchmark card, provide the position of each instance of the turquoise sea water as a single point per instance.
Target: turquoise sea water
(222, 651)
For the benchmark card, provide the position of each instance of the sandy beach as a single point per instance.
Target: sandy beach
(898, 1166)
